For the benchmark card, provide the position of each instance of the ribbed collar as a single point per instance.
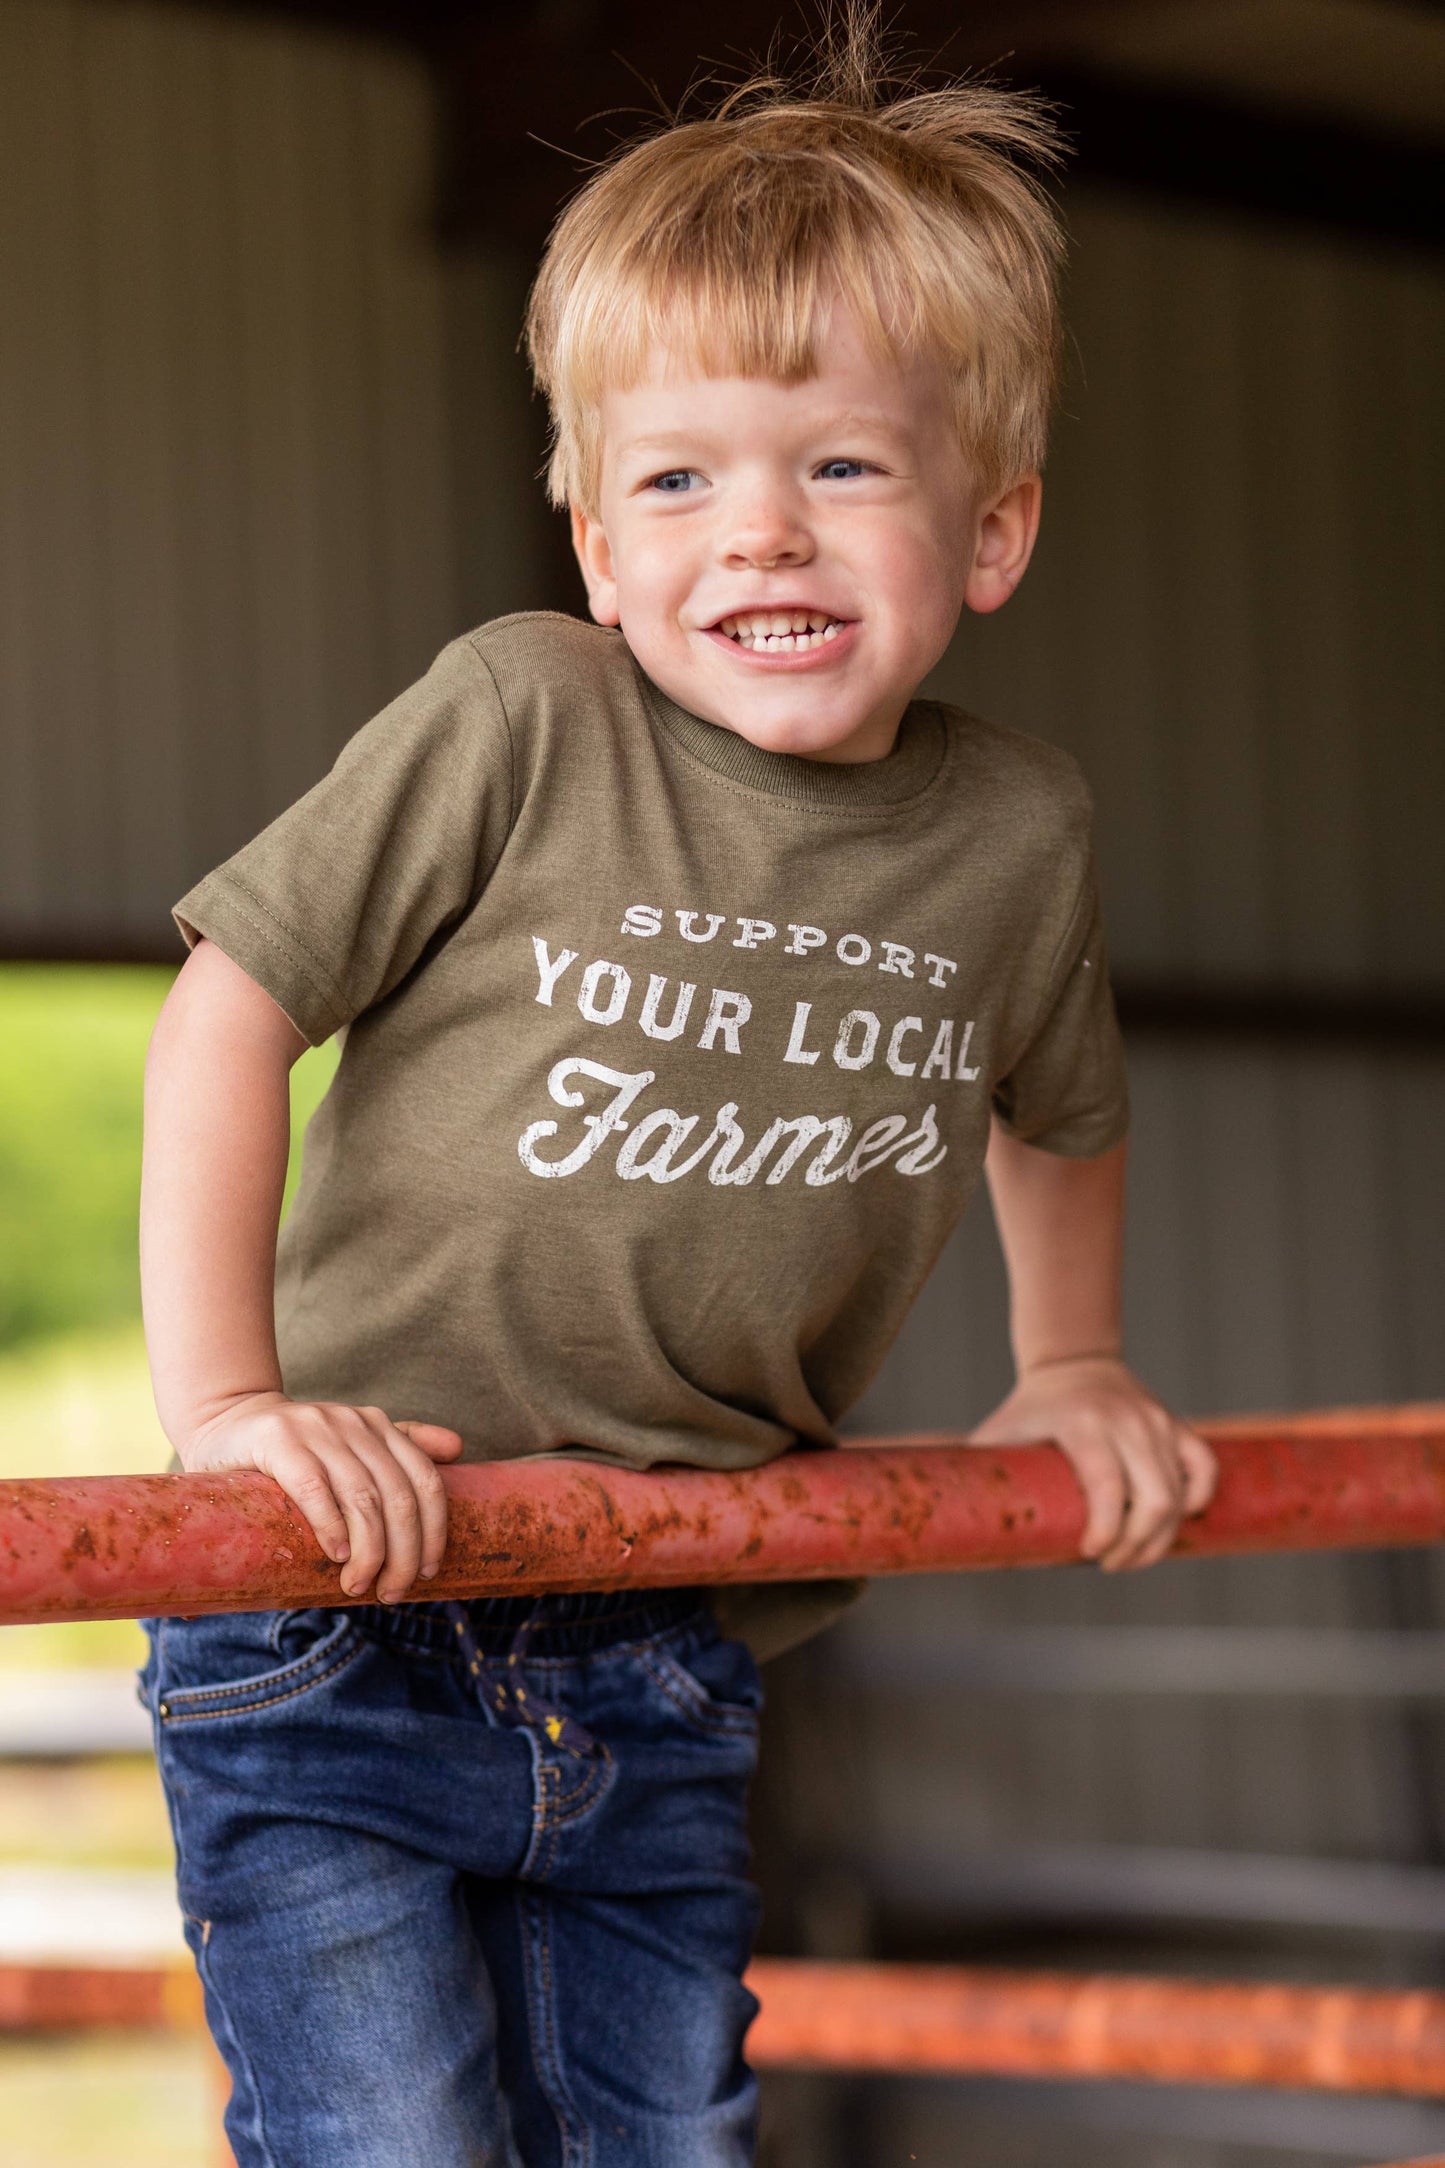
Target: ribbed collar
(904, 773)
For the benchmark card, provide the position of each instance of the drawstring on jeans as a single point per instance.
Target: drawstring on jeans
(511, 1700)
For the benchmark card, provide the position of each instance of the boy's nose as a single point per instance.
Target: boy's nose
(765, 539)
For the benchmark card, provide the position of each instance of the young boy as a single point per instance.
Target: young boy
(687, 964)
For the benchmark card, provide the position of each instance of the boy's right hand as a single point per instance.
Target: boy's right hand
(368, 1486)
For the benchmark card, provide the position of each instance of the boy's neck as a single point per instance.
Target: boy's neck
(909, 765)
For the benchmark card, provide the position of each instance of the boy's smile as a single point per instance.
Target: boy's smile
(780, 631)
(790, 560)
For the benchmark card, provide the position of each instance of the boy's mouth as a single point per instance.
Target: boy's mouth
(781, 632)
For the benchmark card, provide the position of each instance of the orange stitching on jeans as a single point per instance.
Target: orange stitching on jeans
(712, 1715)
(244, 1708)
(538, 1863)
(238, 1686)
(590, 1786)
(559, 2100)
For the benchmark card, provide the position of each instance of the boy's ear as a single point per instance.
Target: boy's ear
(1005, 543)
(594, 555)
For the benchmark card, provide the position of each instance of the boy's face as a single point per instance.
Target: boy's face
(837, 514)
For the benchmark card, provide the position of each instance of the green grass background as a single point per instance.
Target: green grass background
(75, 1393)
(72, 1062)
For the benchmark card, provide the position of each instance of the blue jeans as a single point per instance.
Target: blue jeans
(466, 1884)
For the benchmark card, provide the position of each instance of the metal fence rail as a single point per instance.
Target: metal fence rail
(126, 1546)
(949, 2021)
(964, 2020)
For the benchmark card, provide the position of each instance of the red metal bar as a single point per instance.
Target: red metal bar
(959, 2020)
(122, 1546)
(946, 2020)
(66, 1998)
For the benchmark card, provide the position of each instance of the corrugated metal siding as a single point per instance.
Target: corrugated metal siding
(1287, 1240)
(231, 519)
(1234, 614)
(264, 448)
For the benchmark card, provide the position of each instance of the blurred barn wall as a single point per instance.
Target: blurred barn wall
(264, 447)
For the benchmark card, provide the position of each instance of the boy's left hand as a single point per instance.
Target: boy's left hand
(1141, 1470)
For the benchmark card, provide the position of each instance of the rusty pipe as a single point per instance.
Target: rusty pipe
(961, 2020)
(72, 1998)
(125, 1546)
(946, 2020)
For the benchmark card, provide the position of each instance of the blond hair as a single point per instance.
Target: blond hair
(727, 239)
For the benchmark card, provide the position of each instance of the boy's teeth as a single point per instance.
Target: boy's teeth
(775, 633)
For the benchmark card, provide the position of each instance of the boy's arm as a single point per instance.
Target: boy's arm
(1061, 1222)
(217, 1125)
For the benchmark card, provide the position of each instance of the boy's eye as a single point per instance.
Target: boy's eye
(840, 470)
(675, 482)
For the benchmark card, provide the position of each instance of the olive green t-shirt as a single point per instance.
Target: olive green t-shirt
(668, 1061)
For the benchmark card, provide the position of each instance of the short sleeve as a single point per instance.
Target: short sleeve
(1068, 1091)
(330, 907)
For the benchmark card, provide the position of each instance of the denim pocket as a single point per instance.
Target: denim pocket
(711, 1678)
(226, 1665)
